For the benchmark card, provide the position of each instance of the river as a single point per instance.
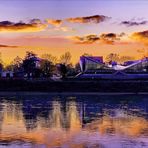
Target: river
(73, 121)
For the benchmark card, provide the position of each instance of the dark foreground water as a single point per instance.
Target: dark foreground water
(74, 121)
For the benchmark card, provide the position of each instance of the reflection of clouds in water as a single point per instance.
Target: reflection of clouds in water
(56, 116)
(62, 125)
(72, 116)
(120, 124)
(13, 119)
(13, 110)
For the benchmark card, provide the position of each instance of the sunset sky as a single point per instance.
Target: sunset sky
(98, 27)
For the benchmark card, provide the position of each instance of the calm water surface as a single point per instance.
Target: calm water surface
(74, 121)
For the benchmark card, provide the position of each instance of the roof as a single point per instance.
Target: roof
(128, 63)
(96, 59)
(119, 67)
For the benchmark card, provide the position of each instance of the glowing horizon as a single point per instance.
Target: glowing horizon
(55, 27)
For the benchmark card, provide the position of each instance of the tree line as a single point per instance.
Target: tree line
(44, 66)
(47, 65)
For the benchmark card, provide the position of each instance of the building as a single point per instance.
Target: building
(94, 67)
(91, 63)
(138, 66)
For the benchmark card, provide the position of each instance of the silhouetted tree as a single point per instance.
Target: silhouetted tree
(87, 55)
(143, 52)
(16, 64)
(30, 55)
(47, 67)
(48, 64)
(113, 57)
(65, 67)
(9, 67)
(62, 69)
(71, 70)
(1, 67)
(49, 58)
(65, 58)
(126, 58)
(17, 61)
(30, 64)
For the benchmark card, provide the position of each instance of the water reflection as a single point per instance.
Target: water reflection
(74, 121)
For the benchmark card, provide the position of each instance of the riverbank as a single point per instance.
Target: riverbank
(29, 93)
(102, 86)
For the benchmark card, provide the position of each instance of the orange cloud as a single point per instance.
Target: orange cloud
(88, 19)
(54, 22)
(34, 25)
(89, 39)
(109, 38)
(141, 36)
(8, 46)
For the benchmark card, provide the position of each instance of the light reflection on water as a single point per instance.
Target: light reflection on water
(116, 121)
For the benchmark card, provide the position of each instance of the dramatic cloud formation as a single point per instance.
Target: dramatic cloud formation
(141, 36)
(89, 39)
(133, 23)
(109, 38)
(34, 25)
(54, 22)
(88, 19)
(8, 46)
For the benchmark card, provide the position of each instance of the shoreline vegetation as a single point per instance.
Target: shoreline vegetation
(90, 75)
(74, 86)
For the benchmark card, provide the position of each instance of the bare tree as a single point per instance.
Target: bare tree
(17, 61)
(113, 57)
(47, 67)
(87, 55)
(126, 58)
(29, 55)
(50, 58)
(15, 65)
(65, 58)
(143, 52)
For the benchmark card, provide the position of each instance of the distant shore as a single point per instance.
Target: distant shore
(74, 86)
